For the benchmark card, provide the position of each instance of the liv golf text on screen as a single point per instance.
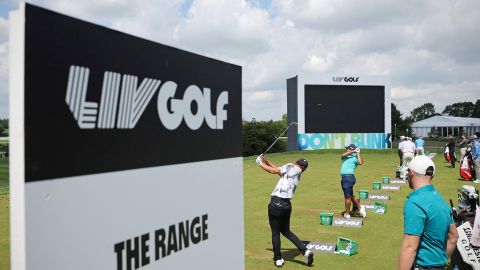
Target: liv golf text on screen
(127, 153)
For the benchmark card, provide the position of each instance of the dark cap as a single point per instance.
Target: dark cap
(351, 146)
(302, 162)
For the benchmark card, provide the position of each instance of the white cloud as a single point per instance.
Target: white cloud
(319, 64)
(3, 29)
(223, 28)
(429, 49)
(4, 62)
(440, 95)
(92, 10)
(260, 96)
(4, 80)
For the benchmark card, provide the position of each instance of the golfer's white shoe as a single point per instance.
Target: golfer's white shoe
(346, 215)
(308, 257)
(476, 181)
(363, 211)
(279, 263)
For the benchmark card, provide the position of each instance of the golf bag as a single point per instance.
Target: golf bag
(466, 212)
(446, 154)
(467, 199)
(466, 167)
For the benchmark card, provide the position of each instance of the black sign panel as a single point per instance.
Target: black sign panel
(344, 109)
(98, 100)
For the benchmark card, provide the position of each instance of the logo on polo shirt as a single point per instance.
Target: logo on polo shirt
(123, 102)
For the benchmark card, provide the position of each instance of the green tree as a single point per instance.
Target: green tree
(3, 127)
(425, 111)
(476, 109)
(460, 109)
(399, 124)
(259, 135)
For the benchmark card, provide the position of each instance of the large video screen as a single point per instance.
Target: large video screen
(344, 109)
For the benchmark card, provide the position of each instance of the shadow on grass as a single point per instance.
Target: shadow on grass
(290, 254)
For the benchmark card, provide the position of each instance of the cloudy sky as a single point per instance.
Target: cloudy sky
(429, 49)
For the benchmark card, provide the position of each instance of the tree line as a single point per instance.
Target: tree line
(3, 127)
(258, 135)
(403, 125)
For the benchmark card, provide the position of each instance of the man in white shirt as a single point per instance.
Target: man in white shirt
(408, 152)
(280, 208)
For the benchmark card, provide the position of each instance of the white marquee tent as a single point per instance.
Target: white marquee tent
(446, 125)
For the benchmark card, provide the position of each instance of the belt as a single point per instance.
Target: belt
(283, 199)
(438, 267)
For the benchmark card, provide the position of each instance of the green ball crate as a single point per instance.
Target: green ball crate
(326, 219)
(363, 194)
(377, 185)
(346, 247)
(386, 180)
(380, 208)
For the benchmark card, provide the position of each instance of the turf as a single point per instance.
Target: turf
(319, 191)
(4, 216)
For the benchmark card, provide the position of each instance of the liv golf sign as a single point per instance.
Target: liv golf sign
(123, 151)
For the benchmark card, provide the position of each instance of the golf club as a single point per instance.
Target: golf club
(292, 123)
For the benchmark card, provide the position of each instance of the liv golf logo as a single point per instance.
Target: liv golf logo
(345, 79)
(122, 109)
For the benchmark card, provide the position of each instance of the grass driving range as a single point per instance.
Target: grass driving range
(4, 216)
(319, 191)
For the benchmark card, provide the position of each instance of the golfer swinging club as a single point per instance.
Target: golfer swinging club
(280, 208)
(350, 159)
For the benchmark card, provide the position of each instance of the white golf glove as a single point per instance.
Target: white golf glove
(259, 160)
(357, 150)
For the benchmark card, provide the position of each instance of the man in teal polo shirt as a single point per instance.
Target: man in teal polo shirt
(350, 159)
(430, 235)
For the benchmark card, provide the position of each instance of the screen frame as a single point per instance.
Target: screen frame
(315, 79)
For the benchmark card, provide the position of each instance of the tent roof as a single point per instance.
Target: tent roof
(447, 121)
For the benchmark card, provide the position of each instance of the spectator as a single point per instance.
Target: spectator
(463, 146)
(451, 151)
(476, 156)
(429, 235)
(420, 143)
